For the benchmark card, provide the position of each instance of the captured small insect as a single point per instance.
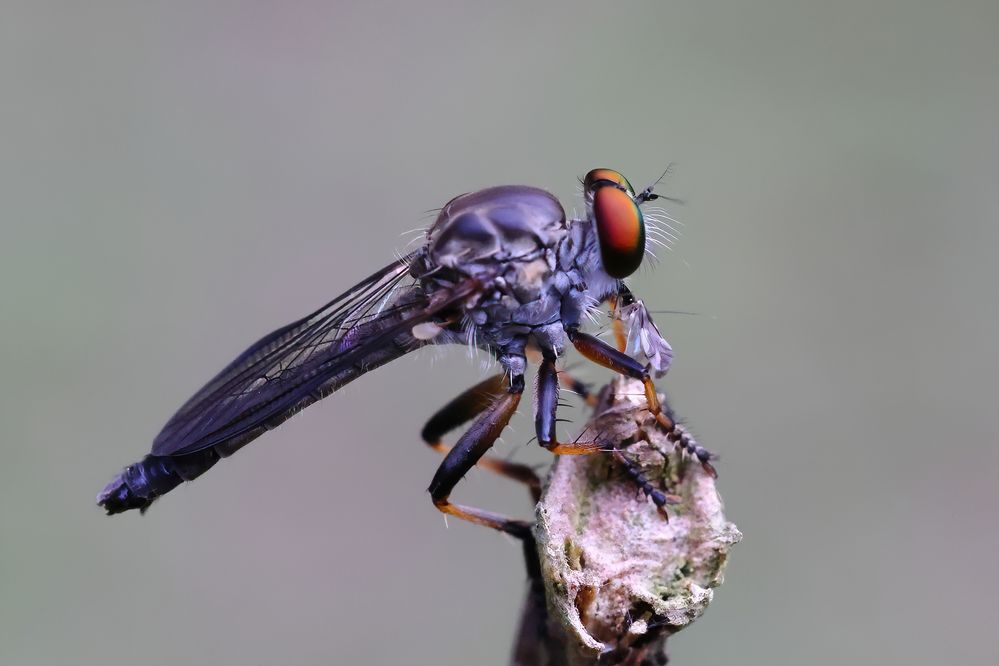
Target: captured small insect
(502, 270)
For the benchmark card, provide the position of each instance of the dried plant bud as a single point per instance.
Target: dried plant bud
(619, 578)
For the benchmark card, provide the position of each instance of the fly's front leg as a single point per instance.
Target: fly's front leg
(482, 434)
(547, 407)
(465, 407)
(658, 497)
(603, 354)
(620, 337)
(682, 439)
(623, 298)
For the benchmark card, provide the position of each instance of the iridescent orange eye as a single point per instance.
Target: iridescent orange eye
(620, 230)
(599, 177)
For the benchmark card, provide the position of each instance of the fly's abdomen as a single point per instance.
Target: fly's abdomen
(138, 485)
(286, 371)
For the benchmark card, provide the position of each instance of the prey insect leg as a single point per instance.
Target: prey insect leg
(547, 406)
(463, 408)
(481, 435)
(603, 354)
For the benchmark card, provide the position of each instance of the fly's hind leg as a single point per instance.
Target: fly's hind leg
(469, 449)
(462, 409)
(603, 354)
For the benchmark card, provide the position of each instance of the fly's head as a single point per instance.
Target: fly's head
(616, 214)
(614, 210)
(621, 232)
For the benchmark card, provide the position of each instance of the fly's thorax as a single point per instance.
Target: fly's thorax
(538, 271)
(521, 294)
(495, 225)
(506, 238)
(548, 286)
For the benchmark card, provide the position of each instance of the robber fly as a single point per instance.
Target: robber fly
(501, 269)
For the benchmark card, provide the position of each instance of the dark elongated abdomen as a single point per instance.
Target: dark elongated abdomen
(139, 484)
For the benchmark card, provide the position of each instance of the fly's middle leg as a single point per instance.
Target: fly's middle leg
(482, 434)
(547, 408)
(603, 354)
(566, 378)
(462, 409)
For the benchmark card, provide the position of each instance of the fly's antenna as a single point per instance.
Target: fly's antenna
(679, 312)
(659, 225)
(648, 193)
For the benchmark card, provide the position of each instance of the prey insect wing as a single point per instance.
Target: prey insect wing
(304, 361)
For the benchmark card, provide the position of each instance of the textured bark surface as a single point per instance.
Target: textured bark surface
(618, 578)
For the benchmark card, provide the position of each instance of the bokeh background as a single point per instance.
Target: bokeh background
(178, 178)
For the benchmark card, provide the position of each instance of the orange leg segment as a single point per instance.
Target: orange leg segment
(482, 434)
(603, 354)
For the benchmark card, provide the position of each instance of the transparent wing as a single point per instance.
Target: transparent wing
(294, 366)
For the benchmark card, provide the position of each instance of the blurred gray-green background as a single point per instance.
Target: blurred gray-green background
(178, 178)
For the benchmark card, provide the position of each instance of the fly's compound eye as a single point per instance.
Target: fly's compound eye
(598, 178)
(620, 230)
